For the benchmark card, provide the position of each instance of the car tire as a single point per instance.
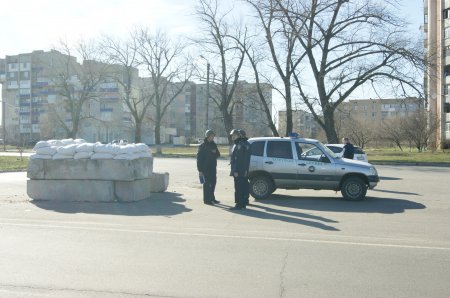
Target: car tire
(354, 189)
(261, 187)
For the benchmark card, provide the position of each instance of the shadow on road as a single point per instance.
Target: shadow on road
(369, 205)
(397, 192)
(300, 218)
(160, 204)
(390, 178)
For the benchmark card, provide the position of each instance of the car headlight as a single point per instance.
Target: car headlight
(373, 171)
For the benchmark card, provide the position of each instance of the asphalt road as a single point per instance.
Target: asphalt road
(299, 243)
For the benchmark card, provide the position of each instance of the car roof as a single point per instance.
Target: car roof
(282, 139)
(340, 145)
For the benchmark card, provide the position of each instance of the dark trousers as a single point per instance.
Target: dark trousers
(241, 191)
(208, 188)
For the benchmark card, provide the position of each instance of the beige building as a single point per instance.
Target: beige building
(375, 111)
(248, 112)
(34, 89)
(303, 123)
(36, 86)
(437, 80)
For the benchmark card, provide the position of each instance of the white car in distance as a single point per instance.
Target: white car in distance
(338, 150)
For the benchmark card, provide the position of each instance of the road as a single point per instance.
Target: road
(298, 243)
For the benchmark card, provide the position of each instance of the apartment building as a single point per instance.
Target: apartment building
(364, 111)
(38, 88)
(437, 79)
(303, 123)
(377, 110)
(248, 111)
(44, 91)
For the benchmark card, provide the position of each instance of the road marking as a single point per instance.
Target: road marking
(229, 236)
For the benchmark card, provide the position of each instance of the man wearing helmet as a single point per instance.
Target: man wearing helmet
(207, 166)
(240, 162)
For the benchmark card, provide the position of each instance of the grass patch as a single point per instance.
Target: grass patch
(13, 163)
(392, 155)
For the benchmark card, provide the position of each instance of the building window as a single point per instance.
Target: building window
(447, 107)
(447, 32)
(446, 13)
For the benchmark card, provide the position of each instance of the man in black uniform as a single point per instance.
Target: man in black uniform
(207, 167)
(349, 149)
(240, 162)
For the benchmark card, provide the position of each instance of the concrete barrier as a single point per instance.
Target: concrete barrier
(94, 180)
(97, 169)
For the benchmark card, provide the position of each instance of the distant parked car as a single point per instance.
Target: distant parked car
(338, 150)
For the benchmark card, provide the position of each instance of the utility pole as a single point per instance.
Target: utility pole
(4, 124)
(207, 94)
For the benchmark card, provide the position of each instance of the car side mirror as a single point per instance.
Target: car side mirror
(324, 158)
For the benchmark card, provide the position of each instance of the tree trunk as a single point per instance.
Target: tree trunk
(289, 125)
(228, 122)
(329, 128)
(138, 132)
(158, 137)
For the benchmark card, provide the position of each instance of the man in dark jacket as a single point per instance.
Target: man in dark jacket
(349, 149)
(240, 162)
(207, 167)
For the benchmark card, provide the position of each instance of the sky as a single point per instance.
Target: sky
(28, 25)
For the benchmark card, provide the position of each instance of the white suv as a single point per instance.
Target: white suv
(295, 163)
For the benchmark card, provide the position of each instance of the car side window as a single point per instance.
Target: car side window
(257, 148)
(279, 149)
(308, 152)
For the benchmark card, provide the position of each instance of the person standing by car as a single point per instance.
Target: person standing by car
(240, 162)
(349, 149)
(207, 167)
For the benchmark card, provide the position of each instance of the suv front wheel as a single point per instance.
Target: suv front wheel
(354, 189)
(261, 187)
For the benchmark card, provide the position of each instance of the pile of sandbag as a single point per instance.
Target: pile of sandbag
(80, 149)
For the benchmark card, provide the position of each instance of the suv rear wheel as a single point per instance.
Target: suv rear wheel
(261, 187)
(354, 189)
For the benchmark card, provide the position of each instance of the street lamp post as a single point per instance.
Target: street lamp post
(207, 95)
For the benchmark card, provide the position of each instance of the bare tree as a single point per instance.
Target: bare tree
(256, 59)
(281, 44)
(419, 128)
(393, 131)
(220, 44)
(360, 132)
(76, 84)
(125, 57)
(169, 73)
(348, 45)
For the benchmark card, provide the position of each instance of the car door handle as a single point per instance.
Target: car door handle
(302, 164)
(269, 162)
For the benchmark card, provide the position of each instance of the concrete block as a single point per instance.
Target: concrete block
(159, 182)
(35, 169)
(130, 191)
(96, 169)
(71, 190)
